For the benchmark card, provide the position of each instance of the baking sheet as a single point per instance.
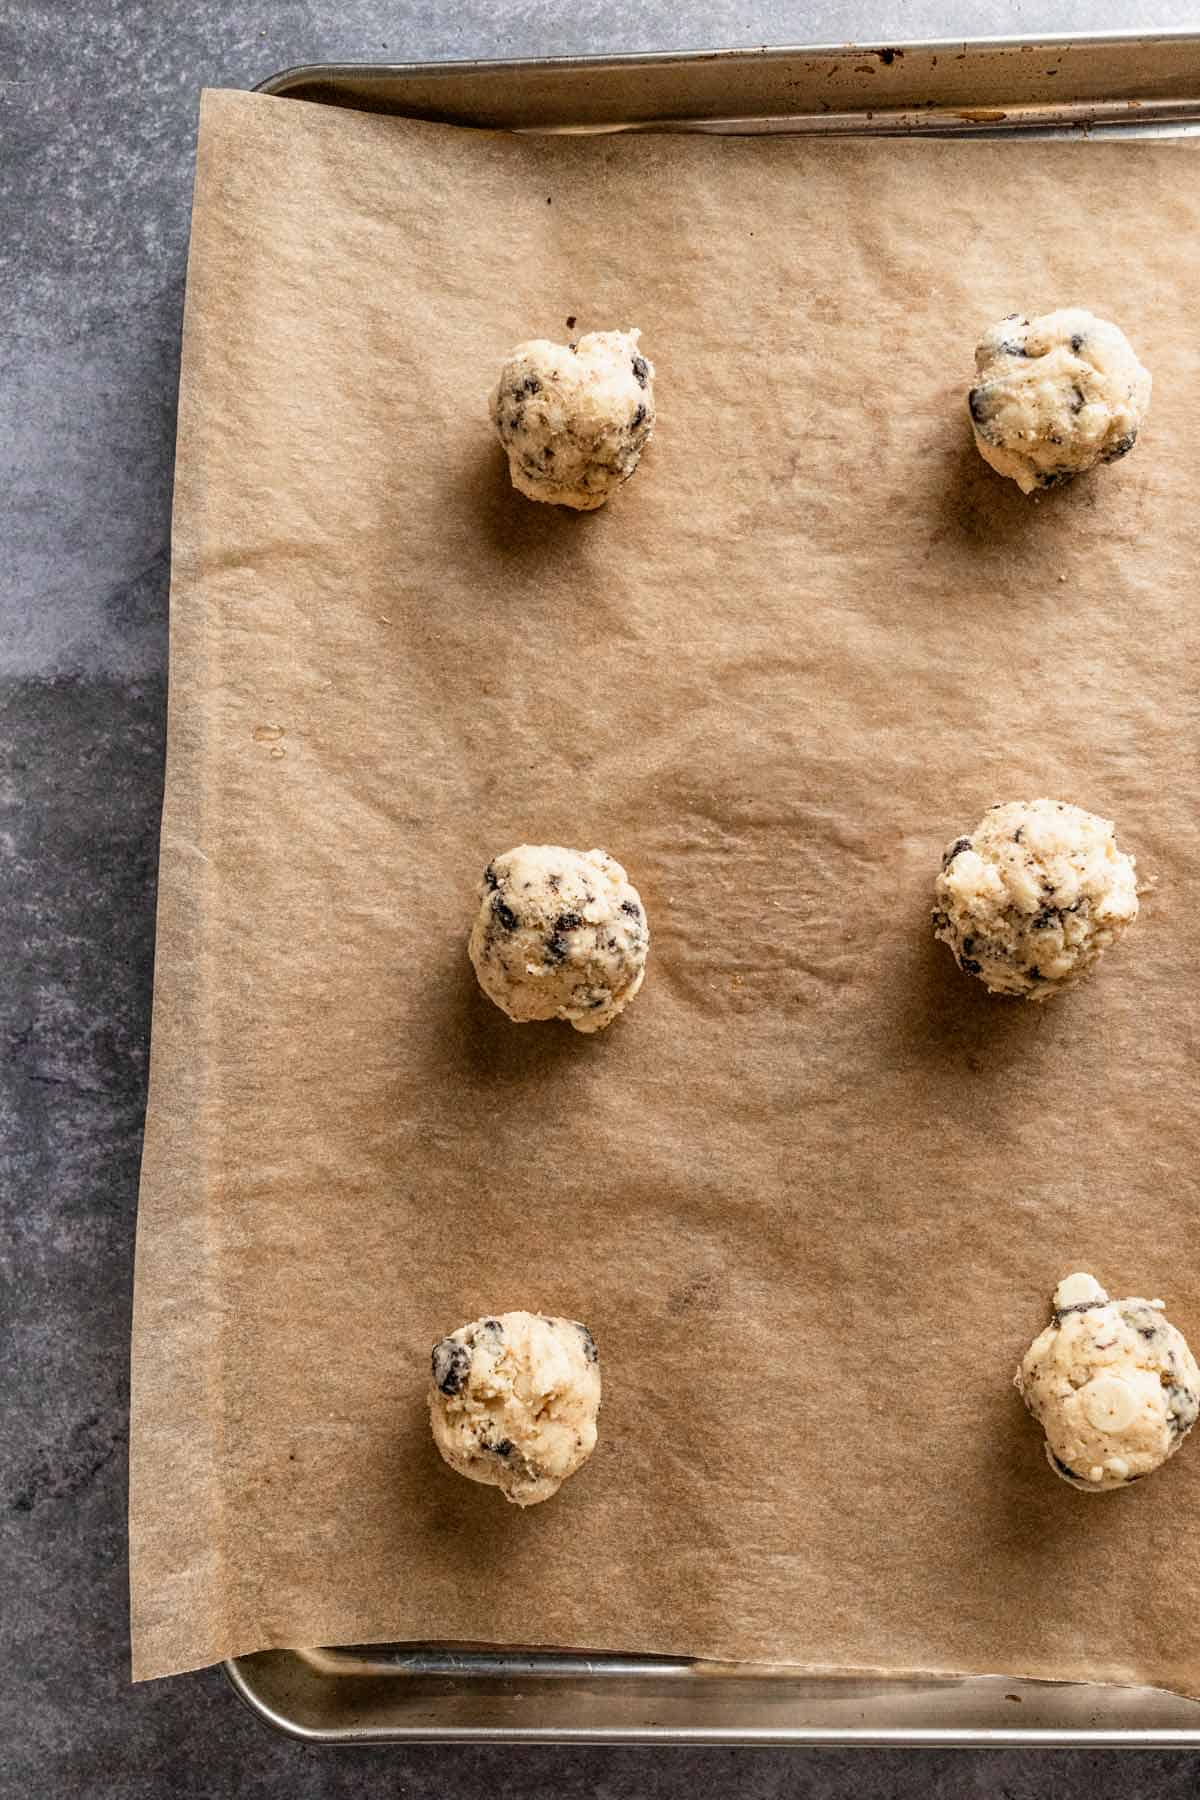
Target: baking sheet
(812, 1192)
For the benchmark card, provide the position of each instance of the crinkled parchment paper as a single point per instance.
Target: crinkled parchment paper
(813, 1191)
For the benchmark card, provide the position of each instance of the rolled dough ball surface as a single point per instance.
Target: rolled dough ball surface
(1056, 395)
(1113, 1385)
(561, 934)
(575, 418)
(1031, 900)
(513, 1402)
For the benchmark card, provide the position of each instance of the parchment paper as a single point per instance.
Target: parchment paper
(812, 1193)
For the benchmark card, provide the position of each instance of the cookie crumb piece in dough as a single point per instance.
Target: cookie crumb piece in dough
(1112, 1384)
(1031, 899)
(513, 1400)
(561, 934)
(575, 418)
(1055, 396)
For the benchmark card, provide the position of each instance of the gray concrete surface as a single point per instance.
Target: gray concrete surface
(97, 110)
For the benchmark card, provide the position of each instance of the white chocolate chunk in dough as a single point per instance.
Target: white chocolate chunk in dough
(1112, 1383)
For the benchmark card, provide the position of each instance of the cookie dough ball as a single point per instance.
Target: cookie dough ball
(575, 418)
(561, 934)
(1056, 395)
(513, 1402)
(1112, 1384)
(1034, 896)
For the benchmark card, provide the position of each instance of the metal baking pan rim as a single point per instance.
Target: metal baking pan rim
(1125, 83)
(631, 61)
(427, 1662)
